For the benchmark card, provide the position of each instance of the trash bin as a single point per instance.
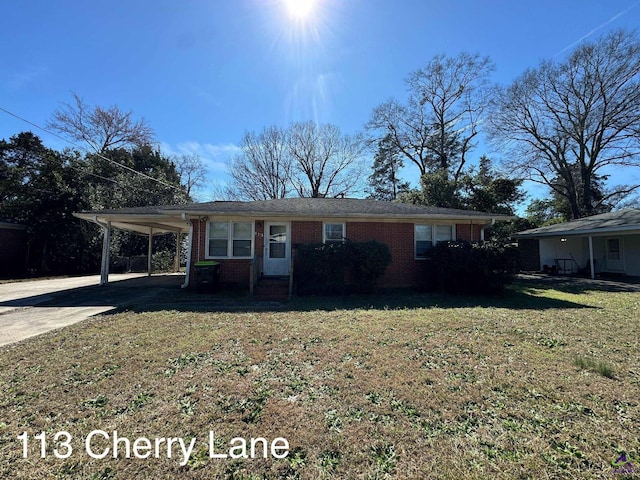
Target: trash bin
(207, 273)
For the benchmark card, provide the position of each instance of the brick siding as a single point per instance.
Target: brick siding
(404, 271)
(467, 233)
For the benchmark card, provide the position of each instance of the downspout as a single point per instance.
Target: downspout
(187, 272)
(493, 222)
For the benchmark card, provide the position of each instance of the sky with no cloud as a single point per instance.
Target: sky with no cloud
(202, 72)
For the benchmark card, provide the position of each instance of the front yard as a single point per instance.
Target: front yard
(539, 384)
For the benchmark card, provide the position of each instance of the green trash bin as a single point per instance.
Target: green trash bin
(207, 274)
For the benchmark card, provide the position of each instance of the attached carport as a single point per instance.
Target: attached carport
(605, 243)
(150, 221)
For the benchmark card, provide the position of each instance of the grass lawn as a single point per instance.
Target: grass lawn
(538, 384)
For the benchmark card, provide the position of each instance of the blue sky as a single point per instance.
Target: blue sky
(204, 72)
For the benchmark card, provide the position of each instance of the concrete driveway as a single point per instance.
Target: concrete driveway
(33, 307)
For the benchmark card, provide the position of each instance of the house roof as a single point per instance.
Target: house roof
(621, 221)
(329, 207)
(171, 218)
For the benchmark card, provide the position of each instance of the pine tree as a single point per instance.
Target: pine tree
(385, 182)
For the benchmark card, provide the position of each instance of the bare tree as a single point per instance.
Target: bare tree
(100, 129)
(192, 171)
(437, 126)
(326, 162)
(263, 169)
(567, 124)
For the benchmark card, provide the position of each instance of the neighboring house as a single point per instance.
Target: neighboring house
(13, 249)
(258, 239)
(606, 243)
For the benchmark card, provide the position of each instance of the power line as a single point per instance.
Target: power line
(86, 150)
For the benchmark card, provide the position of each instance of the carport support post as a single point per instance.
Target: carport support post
(150, 252)
(593, 272)
(176, 260)
(106, 241)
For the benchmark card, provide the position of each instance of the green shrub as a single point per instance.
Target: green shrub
(319, 268)
(369, 260)
(162, 261)
(331, 268)
(470, 268)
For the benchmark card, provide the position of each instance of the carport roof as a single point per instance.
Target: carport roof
(621, 221)
(138, 219)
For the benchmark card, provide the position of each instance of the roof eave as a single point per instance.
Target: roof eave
(579, 233)
(378, 216)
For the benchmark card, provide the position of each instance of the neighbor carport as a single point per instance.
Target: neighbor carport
(605, 243)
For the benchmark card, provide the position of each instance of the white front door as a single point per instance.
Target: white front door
(277, 248)
(615, 255)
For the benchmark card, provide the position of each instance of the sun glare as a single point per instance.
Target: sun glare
(300, 9)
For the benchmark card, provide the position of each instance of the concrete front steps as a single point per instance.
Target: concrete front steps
(272, 289)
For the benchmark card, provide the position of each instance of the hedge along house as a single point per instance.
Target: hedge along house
(255, 240)
(606, 243)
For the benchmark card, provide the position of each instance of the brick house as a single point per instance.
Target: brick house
(254, 240)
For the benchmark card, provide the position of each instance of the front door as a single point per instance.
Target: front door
(277, 248)
(615, 257)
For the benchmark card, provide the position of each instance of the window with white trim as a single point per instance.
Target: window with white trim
(333, 232)
(426, 236)
(423, 237)
(444, 233)
(229, 239)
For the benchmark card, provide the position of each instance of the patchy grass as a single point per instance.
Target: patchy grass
(602, 368)
(395, 387)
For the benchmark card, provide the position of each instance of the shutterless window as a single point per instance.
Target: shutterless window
(423, 236)
(444, 233)
(334, 232)
(242, 235)
(230, 239)
(218, 239)
(613, 248)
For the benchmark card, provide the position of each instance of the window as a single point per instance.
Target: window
(333, 232)
(218, 239)
(425, 236)
(423, 240)
(444, 233)
(613, 249)
(242, 235)
(230, 239)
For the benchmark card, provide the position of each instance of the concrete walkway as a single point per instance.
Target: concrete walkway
(30, 308)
